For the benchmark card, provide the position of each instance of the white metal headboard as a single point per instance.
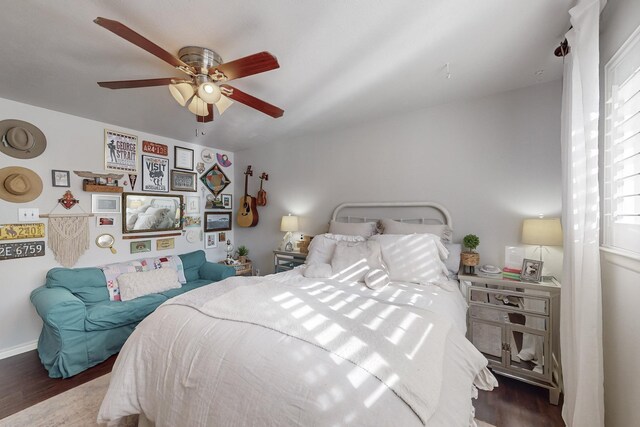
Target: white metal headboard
(446, 215)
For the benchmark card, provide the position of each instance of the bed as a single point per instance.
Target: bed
(300, 350)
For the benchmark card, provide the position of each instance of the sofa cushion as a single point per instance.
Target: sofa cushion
(87, 284)
(189, 286)
(191, 263)
(136, 285)
(111, 314)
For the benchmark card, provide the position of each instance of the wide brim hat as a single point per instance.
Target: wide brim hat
(19, 185)
(21, 139)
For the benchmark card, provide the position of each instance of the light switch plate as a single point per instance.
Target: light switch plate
(28, 214)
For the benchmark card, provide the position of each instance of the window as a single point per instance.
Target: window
(622, 147)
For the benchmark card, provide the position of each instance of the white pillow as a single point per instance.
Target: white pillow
(318, 271)
(353, 260)
(377, 279)
(453, 261)
(413, 257)
(134, 285)
(390, 226)
(322, 246)
(364, 229)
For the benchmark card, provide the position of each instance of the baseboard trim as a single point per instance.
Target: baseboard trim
(23, 348)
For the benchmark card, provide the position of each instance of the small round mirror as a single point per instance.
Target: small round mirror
(106, 241)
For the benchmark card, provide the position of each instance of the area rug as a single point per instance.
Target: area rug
(77, 407)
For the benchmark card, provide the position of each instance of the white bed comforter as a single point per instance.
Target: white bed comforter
(285, 350)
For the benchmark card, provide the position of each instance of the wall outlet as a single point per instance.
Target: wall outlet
(28, 214)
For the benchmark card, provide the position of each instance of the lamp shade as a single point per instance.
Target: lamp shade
(198, 107)
(542, 231)
(181, 92)
(223, 103)
(209, 92)
(289, 223)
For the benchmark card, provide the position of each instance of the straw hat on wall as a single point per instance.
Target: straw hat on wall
(19, 185)
(21, 140)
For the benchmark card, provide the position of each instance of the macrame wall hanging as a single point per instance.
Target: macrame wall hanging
(68, 232)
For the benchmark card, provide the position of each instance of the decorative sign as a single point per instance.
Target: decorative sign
(155, 174)
(21, 250)
(21, 231)
(162, 244)
(215, 180)
(155, 148)
(140, 246)
(120, 151)
(132, 179)
(68, 200)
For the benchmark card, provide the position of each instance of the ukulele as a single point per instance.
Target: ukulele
(248, 213)
(262, 195)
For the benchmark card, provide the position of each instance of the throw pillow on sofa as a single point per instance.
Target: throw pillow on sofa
(134, 285)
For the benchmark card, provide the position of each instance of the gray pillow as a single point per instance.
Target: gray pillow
(364, 229)
(453, 262)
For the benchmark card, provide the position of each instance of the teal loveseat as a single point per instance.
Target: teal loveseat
(83, 327)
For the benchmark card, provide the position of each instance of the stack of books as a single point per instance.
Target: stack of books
(489, 271)
(511, 273)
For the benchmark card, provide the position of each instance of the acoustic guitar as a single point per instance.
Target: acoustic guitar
(262, 195)
(248, 213)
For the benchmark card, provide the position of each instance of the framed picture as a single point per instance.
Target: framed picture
(60, 178)
(193, 205)
(217, 221)
(207, 155)
(140, 246)
(105, 221)
(183, 181)
(222, 236)
(215, 180)
(213, 202)
(210, 241)
(101, 203)
(151, 212)
(192, 221)
(226, 201)
(120, 151)
(531, 270)
(155, 174)
(164, 244)
(183, 158)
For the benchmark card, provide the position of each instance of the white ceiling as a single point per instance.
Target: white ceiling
(341, 62)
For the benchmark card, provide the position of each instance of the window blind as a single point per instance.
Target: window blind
(622, 147)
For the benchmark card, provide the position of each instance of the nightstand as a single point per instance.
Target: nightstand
(283, 260)
(516, 327)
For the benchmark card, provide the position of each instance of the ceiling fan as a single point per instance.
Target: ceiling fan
(207, 73)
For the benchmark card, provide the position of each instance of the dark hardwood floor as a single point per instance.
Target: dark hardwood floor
(24, 382)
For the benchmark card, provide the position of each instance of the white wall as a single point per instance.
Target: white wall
(73, 143)
(491, 161)
(620, 275)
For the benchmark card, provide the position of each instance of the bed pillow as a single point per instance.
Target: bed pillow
(322, 246)
(390, 226)
(413, 258)
(453, 261)
(351, 261)
(318, 271)
(135, 285)
(364, 229)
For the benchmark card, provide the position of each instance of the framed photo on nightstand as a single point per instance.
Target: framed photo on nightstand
(531, 270)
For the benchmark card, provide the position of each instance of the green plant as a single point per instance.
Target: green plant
(243, 251)
(471, 241)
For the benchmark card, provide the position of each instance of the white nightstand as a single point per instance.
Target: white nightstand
(515, 325)
(283, 260)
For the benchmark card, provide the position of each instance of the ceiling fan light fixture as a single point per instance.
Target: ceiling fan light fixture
(181, 92)
(223, 103)
(209, 92)
(199, 107)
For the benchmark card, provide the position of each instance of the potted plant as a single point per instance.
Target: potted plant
(470, 258)
(242, 254)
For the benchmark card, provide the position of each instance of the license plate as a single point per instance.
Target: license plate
(21, 231)
(21, 250)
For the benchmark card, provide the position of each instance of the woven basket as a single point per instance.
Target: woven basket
(470, 258)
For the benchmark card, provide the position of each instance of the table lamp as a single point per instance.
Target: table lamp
(542, 232)
(289, 224)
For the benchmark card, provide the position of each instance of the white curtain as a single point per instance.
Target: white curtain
(581, 301)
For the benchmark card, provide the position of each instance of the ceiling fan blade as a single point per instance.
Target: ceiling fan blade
(208, 117)
(253, 102)
(140, 41)
(129, 84)
(247, 66)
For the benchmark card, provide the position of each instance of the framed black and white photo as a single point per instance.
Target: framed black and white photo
(183, 181)
(226, 201)
(217, 221)
(60, 178)
(155, 174)
(101, 203)
(183, 158)
(120, 151)
(531, 270)
(210, 241)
